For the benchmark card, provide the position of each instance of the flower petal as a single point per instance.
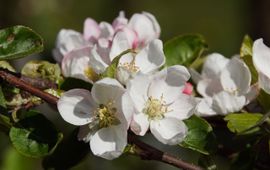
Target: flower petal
(204, 108)
(91, 30)
(96, 62)
(120, 21)
(209, 87)
(169, 131)
(253, 92)
(139, 124)
(236, 77)
(67, 40)
(106, 30)
(261, 57)
(120, 43)
(107, 90)
(224, 103)
(169, 83)
(137, 89)
(76, 106)
(213, 65)
(151, 58)
(109, 143)
(182, 108)
(264, 82)
(154, 22)
(75, 63)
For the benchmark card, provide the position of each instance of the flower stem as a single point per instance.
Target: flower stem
(144, 150)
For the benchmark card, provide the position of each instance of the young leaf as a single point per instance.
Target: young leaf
(34, 136)
(199, 135)
(19, 41)
(184, 49)
(238, 123)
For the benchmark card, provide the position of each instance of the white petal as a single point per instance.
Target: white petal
(236, 77)
(107, 90)
(75, 63)
(224, 103)
(91, 30)
(109, 143)
(253, 93)
(169, 131)
(213, 65)
(66, 41)
(96, 62)
(151, 58)
(124, 75)
(204, 107)
(261, 57)
(120, 21)
(120, 43)
(127, 108)
(139, 124)
(264, 82)
(154, 22)
(182, 108)
(169, 83)
(144, 27)
(137, 89)
(209, 87)
(76, 106)
(106, 30)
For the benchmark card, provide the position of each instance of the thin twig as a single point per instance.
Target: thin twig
(146, 151)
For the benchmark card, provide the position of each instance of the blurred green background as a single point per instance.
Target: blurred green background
(223, 23)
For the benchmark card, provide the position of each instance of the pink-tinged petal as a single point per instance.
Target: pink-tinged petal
(137, 89)
(151, 58)
(107, 90)
(109, 143)
(139, 124)
(236, 77)
(169, 83)
(154, 22)
(67, 40)
(91, 30)
(213, 65)
(169, 131)
(144, 28)
(188, 89)
(103, 49)
(106, 30)
(75, 63)
(120, 22)
(204, 107)
(224, 103)
(182, 108)
(77, 107)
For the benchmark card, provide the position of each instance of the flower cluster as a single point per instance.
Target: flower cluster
(139, 96)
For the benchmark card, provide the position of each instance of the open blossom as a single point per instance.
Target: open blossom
(104, 116)
(224, 85)
(101, 43)
(261, 61)
(160, 105)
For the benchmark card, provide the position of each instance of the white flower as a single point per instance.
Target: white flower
(161, 105)
(104, 115)
(225, 86)
(261, 61)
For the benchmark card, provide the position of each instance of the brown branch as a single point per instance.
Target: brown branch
(145, 151)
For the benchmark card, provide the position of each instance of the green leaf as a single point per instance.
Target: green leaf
(2, 98)
(184, 49)
(19, 41)
(34, 136)
(239, 122)
(199, 135)
(246, 55)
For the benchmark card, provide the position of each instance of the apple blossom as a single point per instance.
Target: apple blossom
(224, 85)
(104, 116)
(159, 107)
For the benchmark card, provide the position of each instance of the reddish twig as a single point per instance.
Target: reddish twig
(145, 151)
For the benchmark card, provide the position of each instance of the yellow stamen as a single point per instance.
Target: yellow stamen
(91, 74)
